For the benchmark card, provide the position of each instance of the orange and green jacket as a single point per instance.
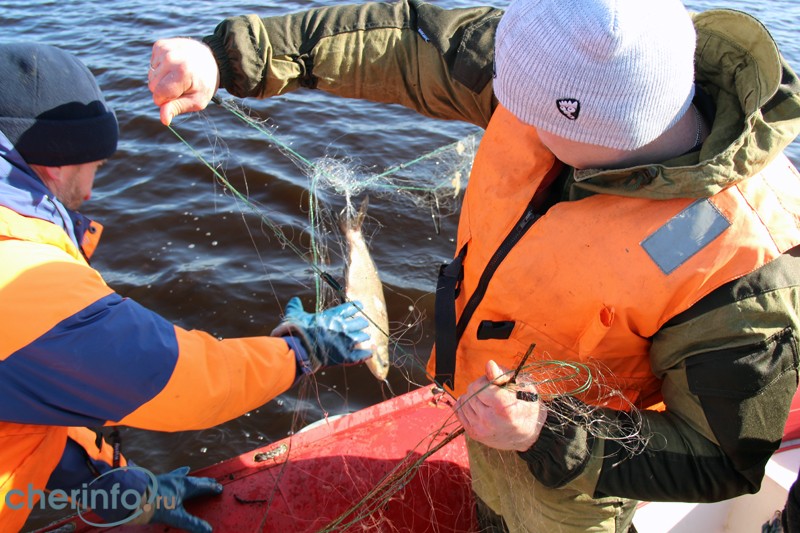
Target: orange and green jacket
(74, 353)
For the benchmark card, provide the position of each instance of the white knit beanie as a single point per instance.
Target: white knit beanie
(614, 73)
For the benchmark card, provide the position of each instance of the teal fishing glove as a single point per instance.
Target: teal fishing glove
(326, 338)
(174, 489)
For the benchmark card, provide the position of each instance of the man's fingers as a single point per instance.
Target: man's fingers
(201, 486)
(465, 412)
(358, 337)
(361, 355)
(474, 389)
(480, 395)
(352, 325)
(171, 85)
(157, 53)
(166, 85)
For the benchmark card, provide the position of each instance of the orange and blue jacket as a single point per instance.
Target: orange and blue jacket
(75, 354)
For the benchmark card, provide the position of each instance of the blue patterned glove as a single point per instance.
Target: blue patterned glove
(326, 338)
(174, 489)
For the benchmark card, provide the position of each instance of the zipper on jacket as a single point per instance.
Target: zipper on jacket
(522, 226)
(528, 218)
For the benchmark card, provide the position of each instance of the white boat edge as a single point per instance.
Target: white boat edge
(743, 514)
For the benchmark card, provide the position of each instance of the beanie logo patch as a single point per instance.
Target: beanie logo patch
(569, 107)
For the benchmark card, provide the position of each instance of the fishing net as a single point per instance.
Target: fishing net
(432, 184)
(433, 181)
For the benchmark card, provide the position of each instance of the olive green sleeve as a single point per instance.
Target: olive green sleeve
(437, 62)
(729, 367)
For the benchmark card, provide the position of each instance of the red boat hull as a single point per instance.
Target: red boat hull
(333, 477)
(310, 480)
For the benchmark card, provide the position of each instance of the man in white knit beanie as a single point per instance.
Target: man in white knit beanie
(614, 74)
(630, 223)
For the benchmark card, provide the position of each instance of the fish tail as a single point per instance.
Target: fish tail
(350, 221)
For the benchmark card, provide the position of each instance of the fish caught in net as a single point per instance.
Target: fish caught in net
(434, 183)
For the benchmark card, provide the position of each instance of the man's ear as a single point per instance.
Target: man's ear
(50, 176)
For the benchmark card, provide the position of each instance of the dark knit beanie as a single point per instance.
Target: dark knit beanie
(51, 108)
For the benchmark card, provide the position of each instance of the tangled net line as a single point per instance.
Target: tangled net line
(566, 382)
(437, 188)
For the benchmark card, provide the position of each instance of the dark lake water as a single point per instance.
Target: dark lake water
(178, 242)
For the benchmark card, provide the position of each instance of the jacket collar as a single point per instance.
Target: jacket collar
(22, 191)
(757, 115)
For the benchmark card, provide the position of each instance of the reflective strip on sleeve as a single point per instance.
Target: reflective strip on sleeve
(97, 365)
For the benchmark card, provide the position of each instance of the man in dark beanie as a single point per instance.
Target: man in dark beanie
(44, 126)
(74, 354)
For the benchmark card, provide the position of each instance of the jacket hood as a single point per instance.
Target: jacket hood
(23, 192)
(757, 99)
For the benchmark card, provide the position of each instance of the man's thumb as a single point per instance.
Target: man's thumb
(167, 113)
(495, 374)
